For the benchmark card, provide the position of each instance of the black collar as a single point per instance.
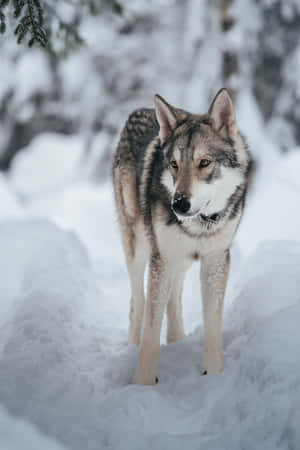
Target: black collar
(212, 218)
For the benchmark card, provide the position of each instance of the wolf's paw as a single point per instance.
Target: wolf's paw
(146, 380)
(213, 363)
(146, 377)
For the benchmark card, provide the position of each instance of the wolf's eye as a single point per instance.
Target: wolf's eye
(204, 163)
(173, 164)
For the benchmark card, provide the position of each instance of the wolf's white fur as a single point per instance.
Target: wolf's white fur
(167, 181)
(164, 290)
(208, 198)
(211, 198)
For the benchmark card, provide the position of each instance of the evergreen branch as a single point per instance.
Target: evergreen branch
(31, 20)
(18, 6)
(32, 26)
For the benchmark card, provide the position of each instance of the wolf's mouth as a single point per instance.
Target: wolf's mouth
(185, 217)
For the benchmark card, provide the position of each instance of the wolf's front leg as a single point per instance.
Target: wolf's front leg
(157, 298)
(214, 274)
(175, 329)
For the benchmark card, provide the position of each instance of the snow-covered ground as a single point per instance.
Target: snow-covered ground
(64, 363)
(18, 435)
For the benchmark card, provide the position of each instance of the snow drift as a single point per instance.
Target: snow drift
(64, 365)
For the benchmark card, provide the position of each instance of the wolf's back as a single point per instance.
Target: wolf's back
(140, 128)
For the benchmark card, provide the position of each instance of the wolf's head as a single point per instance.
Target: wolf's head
(206, 157)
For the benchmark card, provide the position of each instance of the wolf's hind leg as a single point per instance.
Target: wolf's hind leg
(136, 269)
(134, 244)
(175, 329)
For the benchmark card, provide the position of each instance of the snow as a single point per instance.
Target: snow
(9, 204)
(37, 78)
(16, 435)
(65, 368)
(56, 156)
(64, 363)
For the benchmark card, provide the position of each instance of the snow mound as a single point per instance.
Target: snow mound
(64, 367)
(266, 286)
(10, 206)
(49, 163)
(59, 351)
(17, 434)
(271, 208)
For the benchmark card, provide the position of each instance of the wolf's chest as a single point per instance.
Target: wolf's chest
(179, 245)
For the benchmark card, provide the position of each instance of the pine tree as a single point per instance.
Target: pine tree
(34, 18)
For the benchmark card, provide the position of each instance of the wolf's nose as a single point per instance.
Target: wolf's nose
(181, 205)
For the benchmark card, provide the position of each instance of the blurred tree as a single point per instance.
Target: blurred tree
(185, 50)
(34, 20)
(230, 57)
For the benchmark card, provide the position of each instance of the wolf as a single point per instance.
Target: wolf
(180, 183)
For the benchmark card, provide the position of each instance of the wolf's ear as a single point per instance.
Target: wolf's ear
(223, 114)
(166, 117)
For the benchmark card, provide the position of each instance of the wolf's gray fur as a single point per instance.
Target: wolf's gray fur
(180, 184)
